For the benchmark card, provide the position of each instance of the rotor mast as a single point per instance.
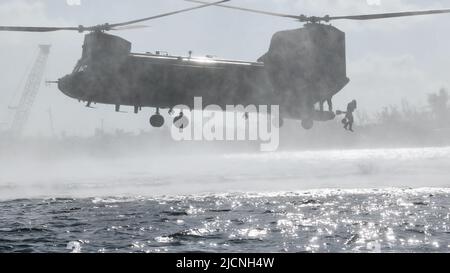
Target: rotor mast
(30, 92)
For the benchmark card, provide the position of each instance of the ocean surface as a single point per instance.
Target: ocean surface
(395, 200)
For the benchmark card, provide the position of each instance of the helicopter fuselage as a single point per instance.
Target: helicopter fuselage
(287, 76)
(164, 81)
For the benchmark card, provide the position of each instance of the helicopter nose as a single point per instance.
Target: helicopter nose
(70, 86)
(64, 84)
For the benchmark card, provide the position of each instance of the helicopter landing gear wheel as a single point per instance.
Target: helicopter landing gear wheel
(307, 124)
(181, 122)
(157, 120)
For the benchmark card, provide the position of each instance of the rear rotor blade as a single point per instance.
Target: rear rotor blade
(328, 18)
(167, 14)
(249, 10)
(390, 15)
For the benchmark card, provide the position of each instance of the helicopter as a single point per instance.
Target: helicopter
(302, 67)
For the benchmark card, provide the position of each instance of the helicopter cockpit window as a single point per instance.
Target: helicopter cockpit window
(80, 68)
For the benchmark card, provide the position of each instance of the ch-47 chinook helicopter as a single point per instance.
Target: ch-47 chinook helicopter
(303, 67)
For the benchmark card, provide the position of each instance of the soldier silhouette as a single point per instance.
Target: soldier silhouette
(349, 119)
(329, 102)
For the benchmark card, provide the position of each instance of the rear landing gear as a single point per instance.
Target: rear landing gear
(157, 120)
(307, 124)
(278, 121)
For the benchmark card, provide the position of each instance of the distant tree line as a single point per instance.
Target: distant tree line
(439, 104)
(436, 115)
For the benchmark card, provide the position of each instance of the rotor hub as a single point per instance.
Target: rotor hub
(314, 19)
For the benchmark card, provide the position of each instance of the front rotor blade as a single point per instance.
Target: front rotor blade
(390, 15)
(36, 29)
(166, 14)
(250, 10)
(130, 27)
(104, 27)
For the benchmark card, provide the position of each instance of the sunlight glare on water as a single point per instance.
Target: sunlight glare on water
(388, 220)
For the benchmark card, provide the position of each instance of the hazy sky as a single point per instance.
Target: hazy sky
(388, 60)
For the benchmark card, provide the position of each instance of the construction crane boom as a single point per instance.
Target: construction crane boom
(30, 92)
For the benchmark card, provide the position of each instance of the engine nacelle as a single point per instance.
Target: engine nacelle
(104, 50)
(307, 65)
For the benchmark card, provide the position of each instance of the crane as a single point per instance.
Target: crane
(30, 92)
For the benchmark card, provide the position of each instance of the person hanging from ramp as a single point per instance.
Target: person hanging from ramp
(349, 119)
